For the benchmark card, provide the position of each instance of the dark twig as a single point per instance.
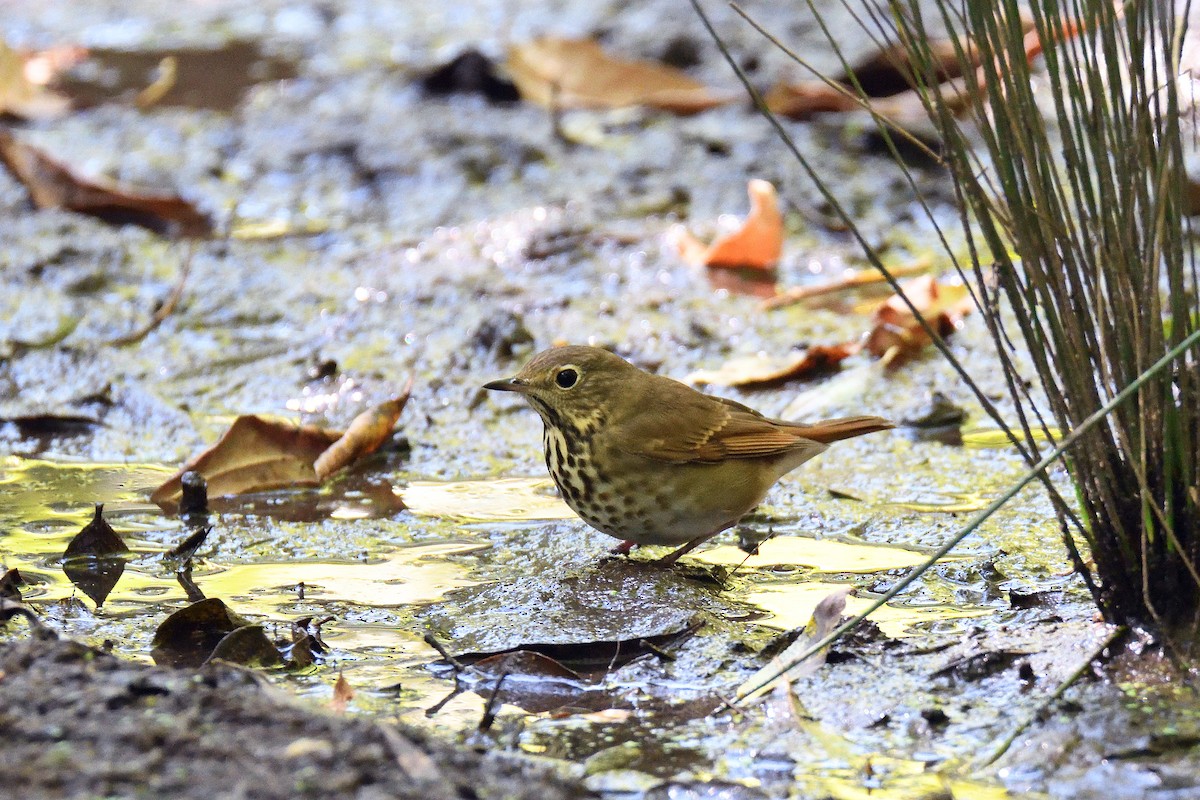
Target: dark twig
(489, 710)
(432, 641)
(168, 306)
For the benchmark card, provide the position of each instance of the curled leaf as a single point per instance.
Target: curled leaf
(761, 371)
(577, 73)
(757, 244)
(255, 454)
(366, 433)
(896, 334)
(52, 184)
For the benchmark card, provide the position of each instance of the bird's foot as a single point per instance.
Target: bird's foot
(623, 548)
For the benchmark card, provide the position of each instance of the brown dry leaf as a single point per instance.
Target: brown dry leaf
(28, 99)
(366, 433)
(51, 184)
(761, 372)
(577, 73)
(896, 334)
(255, 454)
(756, 245)
(343, 693)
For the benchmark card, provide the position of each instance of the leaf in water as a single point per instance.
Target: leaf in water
(343, 693)
(897, 336)
(255, 454)
(587, 656)
(761, 372)
(28, 99)
(366, 433)
(10, 583)
(577, 73)
(505, 499)
(97, 538)
(824, 618)
(529, 680)
(95, 558)
(188, 637)
(52, 184)
(757, 244)
(248, 646)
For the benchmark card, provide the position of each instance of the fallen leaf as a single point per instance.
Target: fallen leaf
(896, 334)
(95, 558)
(577, 73)
(10, 583)
(366, 433)
(591, 656)
(343, 693)
(21, 95)
(761, 371)
(757, 244)
(188, 636)
(824, 618)
(248, 646)
(255, 454)
(52, 184)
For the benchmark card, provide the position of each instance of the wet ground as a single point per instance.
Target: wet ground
(375, 233)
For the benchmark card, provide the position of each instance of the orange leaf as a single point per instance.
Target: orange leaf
(54, 185)
(756, 245)
(255, 454)
(343, 693)
(577, 73)
(366, 433)
(808, 98)
(897, 335)
(761, 372)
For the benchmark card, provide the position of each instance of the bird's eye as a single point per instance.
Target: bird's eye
(566, 378)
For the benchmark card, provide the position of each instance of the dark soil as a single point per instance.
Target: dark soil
(79, 722)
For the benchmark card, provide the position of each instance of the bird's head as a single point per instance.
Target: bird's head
(573, 385)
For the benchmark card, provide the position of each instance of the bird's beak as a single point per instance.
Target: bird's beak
(509, 385)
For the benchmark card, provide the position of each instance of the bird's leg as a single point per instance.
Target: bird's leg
(623, 548)
(674, 555)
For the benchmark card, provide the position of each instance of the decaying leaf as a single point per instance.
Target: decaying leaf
(366, 433)
(52, 184)
(761, 371)
(189, 636)
(248, 646)
(10, 585)
(95, 558)
(896, 334)
(824, 619)
(577, 73)
(588, 656)
(255, 454)
(23, 96)
(343, 693)
(757, 244)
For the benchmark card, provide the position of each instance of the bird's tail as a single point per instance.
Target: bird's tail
(834, 430)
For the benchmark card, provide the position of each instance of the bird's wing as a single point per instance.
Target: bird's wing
(679, 425)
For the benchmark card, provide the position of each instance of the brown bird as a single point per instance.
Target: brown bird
(654, 462)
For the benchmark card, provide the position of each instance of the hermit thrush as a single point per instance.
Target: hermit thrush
(654, 462)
